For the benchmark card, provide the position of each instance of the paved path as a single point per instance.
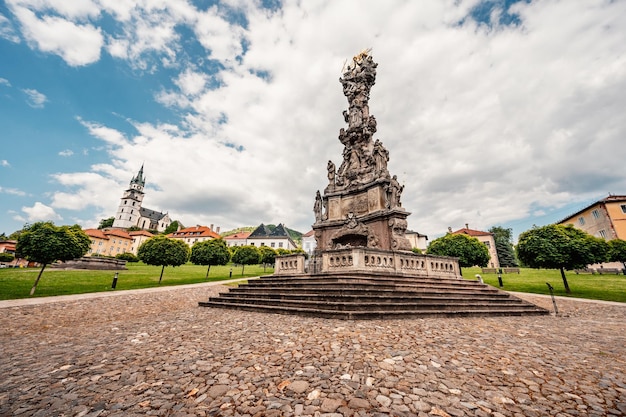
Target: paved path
(158, 353)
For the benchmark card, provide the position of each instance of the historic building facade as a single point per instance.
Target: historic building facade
(605, 218)
(131, 212)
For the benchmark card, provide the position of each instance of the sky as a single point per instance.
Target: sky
(495, 113)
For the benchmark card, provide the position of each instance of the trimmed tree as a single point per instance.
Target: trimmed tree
(267, 256)
(246, 255)
(163, 251)
(6, 257)
(127, 256)
(469, 250)
(560, 247)
(617, 251)
(210, 252)
(44, 243)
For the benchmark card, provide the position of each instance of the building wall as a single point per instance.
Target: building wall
(490, 242)
(595, 220)
(617, 213)
(111, 246)
(274, 243)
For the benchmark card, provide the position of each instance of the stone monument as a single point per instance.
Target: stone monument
(363, 266)
(360, 223)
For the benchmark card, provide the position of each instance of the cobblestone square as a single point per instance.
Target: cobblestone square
(158, 353)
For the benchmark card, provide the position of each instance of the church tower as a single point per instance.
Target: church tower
(128, 212)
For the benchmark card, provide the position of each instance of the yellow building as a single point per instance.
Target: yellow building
(109, 242)
(605, 218)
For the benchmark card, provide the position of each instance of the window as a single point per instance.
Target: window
(623, 206)
(280, 244)
(602, 234)
(251, 243)
(596, 214)
(581, 221)
(487, 244)
(273, 244)
(262, 244)
(133, 203)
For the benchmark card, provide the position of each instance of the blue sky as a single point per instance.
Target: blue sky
(494, 112)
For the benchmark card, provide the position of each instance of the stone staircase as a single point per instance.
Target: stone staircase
(371, 296)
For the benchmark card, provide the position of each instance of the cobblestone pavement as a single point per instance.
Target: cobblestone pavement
(158, 353)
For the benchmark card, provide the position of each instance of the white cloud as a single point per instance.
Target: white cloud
(4, 163)
(66, 152)
(35, 98)
(7, 31)
(77, 44)
(40, 212)
(4, 81)
(111, 136)
(485, 125)
(12, 191)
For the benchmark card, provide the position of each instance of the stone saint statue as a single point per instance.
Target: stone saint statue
(331, 172)
(317, 207)
(381, 157)
(394, 190)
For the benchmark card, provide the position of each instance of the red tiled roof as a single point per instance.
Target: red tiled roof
(195, 231)
(470, 232)
(95, 233)
(238, 235)
(117, 232)
(140, 233)
(308, 234)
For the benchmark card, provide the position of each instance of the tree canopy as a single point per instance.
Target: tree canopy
(246, 255)
(560, 247)
(162, 251)
(267, 256)
(210, 252)
(43, 242)
(469, 250)
(106, 222)
(503, 238)
(617, 251)
(173, 227)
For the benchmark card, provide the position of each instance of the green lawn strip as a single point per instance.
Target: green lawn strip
(16, 283)
(608, 287)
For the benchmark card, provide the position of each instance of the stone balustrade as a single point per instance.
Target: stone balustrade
(378, 261)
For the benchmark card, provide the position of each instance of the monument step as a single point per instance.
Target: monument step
(375, 313)
(371, 296)
(386, 304)
(366, 287)
(365, 297)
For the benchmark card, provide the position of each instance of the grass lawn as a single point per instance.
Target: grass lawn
(16, 283)
(609, 287)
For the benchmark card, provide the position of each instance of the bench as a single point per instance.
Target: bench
(511, 270)
(489, 270)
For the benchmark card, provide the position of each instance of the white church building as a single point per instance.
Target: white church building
(131, 213)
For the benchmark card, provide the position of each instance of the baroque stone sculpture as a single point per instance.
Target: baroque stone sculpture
(362, 200)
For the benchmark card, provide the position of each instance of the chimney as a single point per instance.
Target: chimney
(466, 226)
(211, 227)
(217, 230)
(449, 229)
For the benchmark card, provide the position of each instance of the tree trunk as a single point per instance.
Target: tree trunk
(207, 272)
(242, 268)
(162, 269)
(32, 290)
(567, 290)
